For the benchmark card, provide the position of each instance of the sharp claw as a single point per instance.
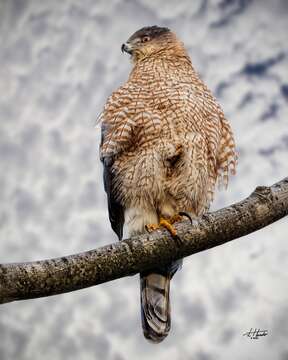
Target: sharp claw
(182, 213)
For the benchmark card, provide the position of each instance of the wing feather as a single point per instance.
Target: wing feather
(116, 133)
(115, 208)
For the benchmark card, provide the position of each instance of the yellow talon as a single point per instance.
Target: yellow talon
(175, 218)
(168, 225)
(152, 227)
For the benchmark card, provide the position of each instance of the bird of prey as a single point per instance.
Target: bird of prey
(165, 142)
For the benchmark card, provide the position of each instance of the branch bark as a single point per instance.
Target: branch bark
(29, 280)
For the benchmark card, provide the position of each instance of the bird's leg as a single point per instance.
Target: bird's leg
(167, 224)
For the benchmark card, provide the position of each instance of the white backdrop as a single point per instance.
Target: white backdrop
(59, 60)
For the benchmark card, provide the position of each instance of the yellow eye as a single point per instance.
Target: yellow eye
(145, 39)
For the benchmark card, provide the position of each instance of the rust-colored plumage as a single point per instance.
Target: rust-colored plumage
(165, 142)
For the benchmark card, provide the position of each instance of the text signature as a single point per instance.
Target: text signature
(255, 333)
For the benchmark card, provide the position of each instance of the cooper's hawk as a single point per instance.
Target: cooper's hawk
(165, 142)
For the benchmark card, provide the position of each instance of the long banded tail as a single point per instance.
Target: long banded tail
(155, 306)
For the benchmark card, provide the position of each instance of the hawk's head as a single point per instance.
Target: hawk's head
(147, 41)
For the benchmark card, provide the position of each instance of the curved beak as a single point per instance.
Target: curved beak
(127, 48)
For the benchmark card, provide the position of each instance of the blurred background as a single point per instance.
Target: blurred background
(59, 60)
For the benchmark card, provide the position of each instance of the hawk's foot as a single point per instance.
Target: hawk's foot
(168, 225)
(152, 227)
(175, 218)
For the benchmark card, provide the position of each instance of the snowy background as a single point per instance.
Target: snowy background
(59, 60)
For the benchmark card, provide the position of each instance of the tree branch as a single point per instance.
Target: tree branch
(55, 276)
